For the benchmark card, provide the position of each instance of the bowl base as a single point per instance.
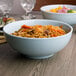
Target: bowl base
(41, 57)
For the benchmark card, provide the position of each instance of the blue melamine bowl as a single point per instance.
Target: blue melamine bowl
(37, 48)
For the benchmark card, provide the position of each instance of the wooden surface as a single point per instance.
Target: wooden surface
(63, 63)
(2, 39)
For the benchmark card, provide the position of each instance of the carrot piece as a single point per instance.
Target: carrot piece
(27, 27)
(59, 8)
(9, 18)
(40, 26)
(53, 10)
(61, 26)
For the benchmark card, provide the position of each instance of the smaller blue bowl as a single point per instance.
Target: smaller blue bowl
(69, 18)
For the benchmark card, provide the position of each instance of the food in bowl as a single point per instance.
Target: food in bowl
(5, 20)
(62, 9)
(69, 18)
(39, 31)
(37, 48)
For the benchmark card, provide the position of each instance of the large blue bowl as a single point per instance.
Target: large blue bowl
(37, 48)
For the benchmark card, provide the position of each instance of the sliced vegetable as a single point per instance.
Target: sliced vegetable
(62, 9)
(71, 11)
(23, 30)
(27, 27)
(9, 19)
(61, 26)
(39, 26)
(4, 19)
(0, 21)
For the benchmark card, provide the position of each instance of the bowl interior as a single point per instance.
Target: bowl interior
(48, 7)
(12, 27)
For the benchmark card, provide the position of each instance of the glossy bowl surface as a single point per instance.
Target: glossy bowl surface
(69, 18)
(37, 48)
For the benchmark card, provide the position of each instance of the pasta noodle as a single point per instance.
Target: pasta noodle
(39, 31)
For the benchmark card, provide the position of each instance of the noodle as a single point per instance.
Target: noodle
(39, 31)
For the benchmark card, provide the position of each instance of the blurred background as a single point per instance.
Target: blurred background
(17, 9)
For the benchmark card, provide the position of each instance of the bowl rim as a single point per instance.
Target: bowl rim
(57, 5)
(71, 29)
